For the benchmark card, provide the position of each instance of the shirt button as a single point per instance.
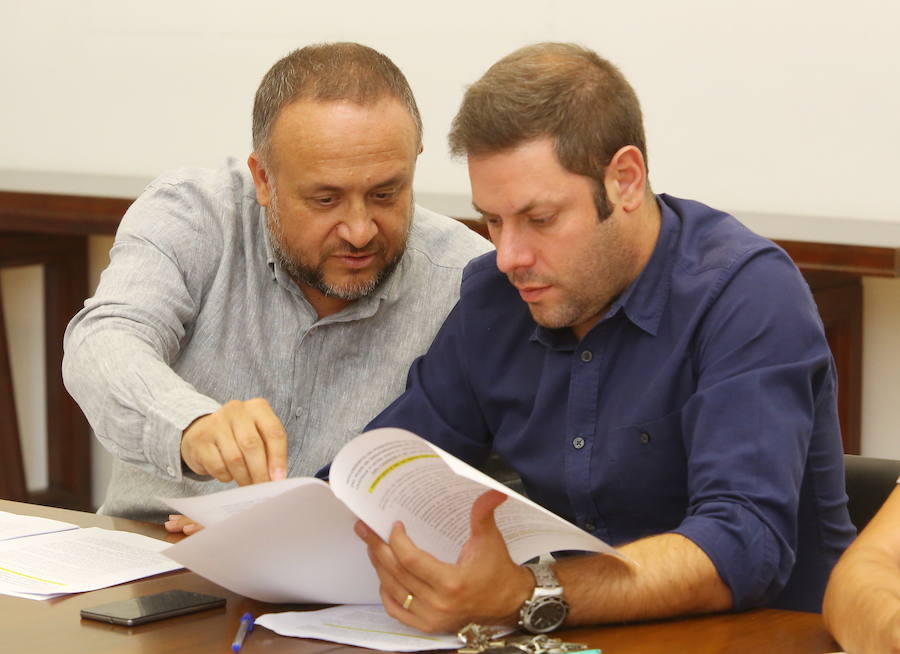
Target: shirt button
(170, 471)
(645, 437)
(590, 526)
(586, 356)
(578, 442)
(298, 411)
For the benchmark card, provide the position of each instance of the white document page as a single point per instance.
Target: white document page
(13, 525)
(298, 546)
(207, 510)
(391, 474)
(78, 560)
(33, 596)
(361, 625)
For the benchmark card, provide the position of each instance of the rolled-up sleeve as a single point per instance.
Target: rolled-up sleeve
(764, 372)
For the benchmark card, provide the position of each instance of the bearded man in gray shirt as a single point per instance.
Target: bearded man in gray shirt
(250, 323)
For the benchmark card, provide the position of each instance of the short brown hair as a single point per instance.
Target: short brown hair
(328, 72)
(560, 90)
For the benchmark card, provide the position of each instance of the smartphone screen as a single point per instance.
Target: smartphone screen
(139, 610)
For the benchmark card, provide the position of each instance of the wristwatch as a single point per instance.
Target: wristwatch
(546, 609)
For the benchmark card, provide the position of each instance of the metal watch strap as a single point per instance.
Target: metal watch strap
(543, 575)
(546, 609)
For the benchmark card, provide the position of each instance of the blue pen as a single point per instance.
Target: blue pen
(245, 628)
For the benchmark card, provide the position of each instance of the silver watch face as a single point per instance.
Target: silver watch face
(544, 614)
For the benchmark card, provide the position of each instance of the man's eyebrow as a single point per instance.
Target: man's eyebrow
(393, 181)
(523, 210)
(331, 188)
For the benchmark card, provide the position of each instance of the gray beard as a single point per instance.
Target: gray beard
(314, 277)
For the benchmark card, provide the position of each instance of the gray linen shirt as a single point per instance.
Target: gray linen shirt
(193, 311)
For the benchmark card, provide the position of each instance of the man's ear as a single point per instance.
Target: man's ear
(625, 178)
(260, 179)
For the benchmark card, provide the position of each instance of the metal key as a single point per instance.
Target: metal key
(544, 644)
(479, 639)
(563, 647)
(530, 644)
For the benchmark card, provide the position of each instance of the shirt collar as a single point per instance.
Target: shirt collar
(270, 251)
(644, 299)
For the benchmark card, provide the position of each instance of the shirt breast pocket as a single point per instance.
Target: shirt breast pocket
(642, 473)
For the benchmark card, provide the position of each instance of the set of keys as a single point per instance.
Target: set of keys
(485, 640)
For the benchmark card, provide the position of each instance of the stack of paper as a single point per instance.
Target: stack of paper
(13, 525)
(41, 559)
(360, 625)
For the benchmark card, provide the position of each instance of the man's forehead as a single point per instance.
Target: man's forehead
(321, 182)
(338, 136)
(524, 179)
(315, 114)
(515, 199)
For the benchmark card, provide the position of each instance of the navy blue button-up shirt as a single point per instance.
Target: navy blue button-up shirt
(703, 403)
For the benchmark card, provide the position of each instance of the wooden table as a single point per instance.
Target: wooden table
(55, 626)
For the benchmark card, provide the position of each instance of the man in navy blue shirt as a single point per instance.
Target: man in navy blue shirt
(655, 372)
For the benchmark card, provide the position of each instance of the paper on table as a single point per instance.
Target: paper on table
(360, 625)
(298, 546)
(13, 525)
(32, 596)
(216, 507)
(78, 560)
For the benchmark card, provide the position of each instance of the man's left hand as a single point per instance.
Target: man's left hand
(484, 585)
(178, 524)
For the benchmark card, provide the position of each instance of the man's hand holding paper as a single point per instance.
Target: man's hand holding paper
(242, 441)
(177, 524)
(445, 596)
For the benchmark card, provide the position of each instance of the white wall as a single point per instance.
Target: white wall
(766, 106)
(776, 106)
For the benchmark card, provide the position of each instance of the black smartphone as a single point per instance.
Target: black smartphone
(139, 610)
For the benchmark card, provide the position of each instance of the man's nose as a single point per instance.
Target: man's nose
(357, 227)
(513, 250)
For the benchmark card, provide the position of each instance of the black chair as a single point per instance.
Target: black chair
(503, 472)
(869, 482)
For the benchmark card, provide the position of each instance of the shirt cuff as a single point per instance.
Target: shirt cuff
(743, 550)
(167, 418)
